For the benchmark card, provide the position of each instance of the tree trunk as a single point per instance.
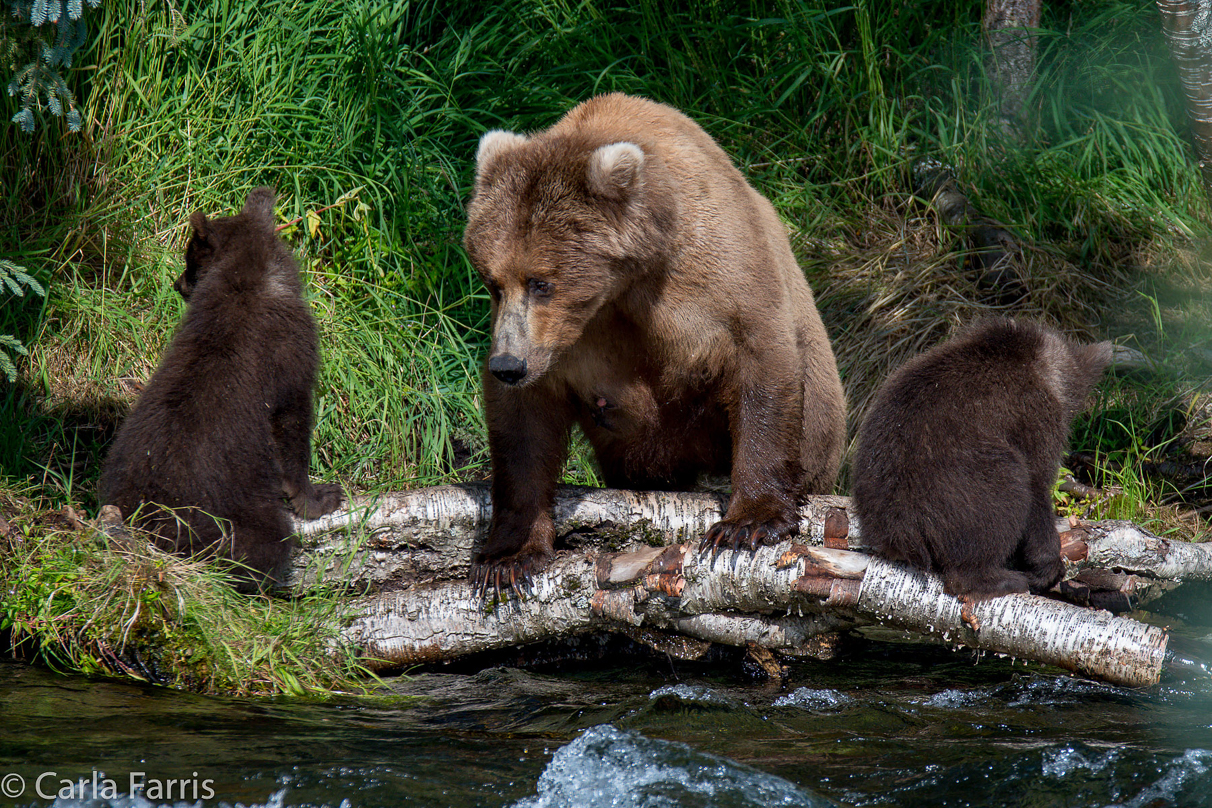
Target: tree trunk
(427, 535)
(732, 598)
(1188, 27)
(784, 598)
(1009, 27)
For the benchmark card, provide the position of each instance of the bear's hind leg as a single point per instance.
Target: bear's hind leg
(1039, 552)
(983, 583)
(261, 545)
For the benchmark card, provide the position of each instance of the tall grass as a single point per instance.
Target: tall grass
(189, 106)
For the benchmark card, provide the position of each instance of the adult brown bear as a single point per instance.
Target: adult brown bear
(223, 429)
(959, 452)
(643, 289)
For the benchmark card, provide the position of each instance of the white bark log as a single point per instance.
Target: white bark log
(419, 537)
(793, 636)
(1124, 546)
(1088, 641)
(428, 535)
(443, 622)
(430, 624)
(420, 542)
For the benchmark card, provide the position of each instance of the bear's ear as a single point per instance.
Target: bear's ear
(198, 221)
(614, 170)
(260, 205)
(1095, 358)
(492, 145)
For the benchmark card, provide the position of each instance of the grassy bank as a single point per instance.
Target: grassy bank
(190, 106)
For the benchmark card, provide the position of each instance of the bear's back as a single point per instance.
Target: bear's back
(200, 431)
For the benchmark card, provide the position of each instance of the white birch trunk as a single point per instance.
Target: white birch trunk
(1124, 546)
(740, 598)
(430, 624)
(417, 545)
(417, 537)
(1088, 641)
(425, 536)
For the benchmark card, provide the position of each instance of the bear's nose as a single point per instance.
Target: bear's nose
(508, 368)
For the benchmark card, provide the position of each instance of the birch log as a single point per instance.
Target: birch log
(778, 598)
(414, 549)
(418, 537)
(426, 536)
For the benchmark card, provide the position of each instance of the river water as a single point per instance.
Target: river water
(890, 724)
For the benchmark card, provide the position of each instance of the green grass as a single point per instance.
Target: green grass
(82, 603)
(190, 106)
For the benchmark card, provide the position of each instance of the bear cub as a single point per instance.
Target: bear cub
(959, 452)
(222, 431)
(645, 292)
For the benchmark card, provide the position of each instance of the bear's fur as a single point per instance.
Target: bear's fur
(959, 452)
(643, 289)
(223, 429)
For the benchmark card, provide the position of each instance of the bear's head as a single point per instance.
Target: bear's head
(557, 227)
(249, 236)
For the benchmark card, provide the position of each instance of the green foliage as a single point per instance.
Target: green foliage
(80, 602)
(37, 39)
(14, 280)
(825, 109)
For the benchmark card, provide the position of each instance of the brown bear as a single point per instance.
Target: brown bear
(959, 452)
(642, 289)
(223, 429)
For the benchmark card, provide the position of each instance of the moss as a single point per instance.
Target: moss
(610, 537)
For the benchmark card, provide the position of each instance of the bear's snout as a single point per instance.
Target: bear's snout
(508, 368)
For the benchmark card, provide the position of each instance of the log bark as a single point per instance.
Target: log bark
(1009, 27)
(737, 597)
(787, 598)
(1124, 547)
(399, 540)
(414, 538)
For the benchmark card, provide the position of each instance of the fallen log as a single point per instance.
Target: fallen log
(399, 540)
(735, 598)
(402, 540)
(783, 598)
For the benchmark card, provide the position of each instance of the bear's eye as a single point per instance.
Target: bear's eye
(539, 288)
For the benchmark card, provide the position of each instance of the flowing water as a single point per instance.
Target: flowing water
(891, 724)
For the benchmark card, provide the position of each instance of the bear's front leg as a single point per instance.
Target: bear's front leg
(766, 420)
(291, 425)
(528, 430)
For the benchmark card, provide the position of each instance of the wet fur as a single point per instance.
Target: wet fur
(222, 432)
(959, 453)
(652, 298)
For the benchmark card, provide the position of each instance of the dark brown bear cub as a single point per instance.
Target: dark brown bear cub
(959, 452)
(223, 429)
(643, 290)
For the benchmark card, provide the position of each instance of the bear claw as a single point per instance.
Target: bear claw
(514, 573)
(730, 535)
